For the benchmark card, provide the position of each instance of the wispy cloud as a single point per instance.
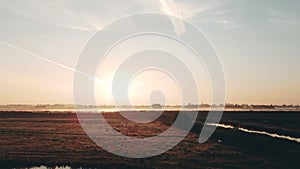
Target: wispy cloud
(280, 18)
(191, 9)
(207, 11)
(77, 27)
(212, 11)
(283, 20)
(170, 8)
(55, 13)
(93, 16)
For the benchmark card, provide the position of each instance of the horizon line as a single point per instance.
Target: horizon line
(110, 105)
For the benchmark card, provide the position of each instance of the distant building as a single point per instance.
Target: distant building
(191, 106)
(156, 106)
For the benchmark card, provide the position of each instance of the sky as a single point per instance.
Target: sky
(257, 43)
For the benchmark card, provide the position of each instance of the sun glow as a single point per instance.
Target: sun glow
(103, 90)
(153, 86)
(141, 89)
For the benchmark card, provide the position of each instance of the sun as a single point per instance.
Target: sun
(103, 90)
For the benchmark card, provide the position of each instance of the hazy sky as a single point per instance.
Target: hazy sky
(257, 41)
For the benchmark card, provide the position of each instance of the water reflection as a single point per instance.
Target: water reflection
(274, 135)
(45, 167)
